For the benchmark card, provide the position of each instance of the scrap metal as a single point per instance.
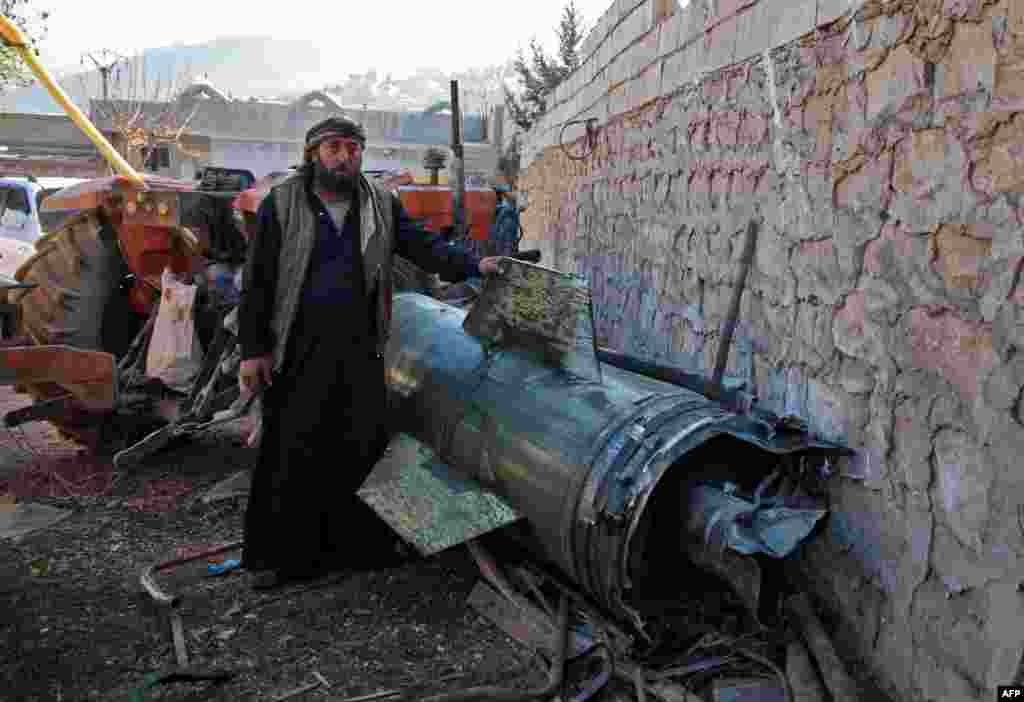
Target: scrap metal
(513, 400)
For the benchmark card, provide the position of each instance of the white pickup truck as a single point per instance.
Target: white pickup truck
(21, 223)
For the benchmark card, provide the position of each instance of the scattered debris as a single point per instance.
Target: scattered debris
(223, 567)
(159, 678)
(672, 693)
(803, 679)
(40, 568)
(837, 680)
(747, 690)
(320, 681)
(159, 496)
(236, 485)
(383, 694)
(41, 473)
(17, 520)
(178, 634)
(148, 577)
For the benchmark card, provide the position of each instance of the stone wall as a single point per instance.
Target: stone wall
(882, 145)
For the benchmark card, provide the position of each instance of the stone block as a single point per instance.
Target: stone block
(894, 653)
(856, 335)
(1005, 617)
(829, 11)
(963, 478)
(635, 25)
(864, 185)
(959, 350)
(589, 44)
(829, 410)
(912, 444)
(789, 21)
(618, 72)
(856, 377)
(970, 64)
(999, 281)
(752, 39)
(892, 85)
(720, 44)
(1009, 88)
(939, 682)
(644, 52)
(677, 70)
(1003, 169)
(929, 177)
(1002, 388)
(817, 270)
(960, 257)
(670, 36)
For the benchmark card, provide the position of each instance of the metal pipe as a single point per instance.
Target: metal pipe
(746, 258)
(669, 374)
(458, 165)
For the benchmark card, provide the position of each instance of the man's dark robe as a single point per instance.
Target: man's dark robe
(324, 423)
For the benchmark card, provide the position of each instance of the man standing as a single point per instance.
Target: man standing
(314, 321)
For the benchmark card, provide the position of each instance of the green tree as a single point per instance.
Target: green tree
(541, 73)
(32, 23)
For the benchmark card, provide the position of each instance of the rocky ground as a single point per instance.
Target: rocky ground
(76, 625)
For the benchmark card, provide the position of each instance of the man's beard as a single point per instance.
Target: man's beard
(332, 180)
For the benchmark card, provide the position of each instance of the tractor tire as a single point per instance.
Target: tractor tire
(77, 270)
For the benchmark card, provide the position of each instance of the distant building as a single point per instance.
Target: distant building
(264, 136)
(46, 146)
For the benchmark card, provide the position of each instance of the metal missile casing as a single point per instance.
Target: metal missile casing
(574, 447)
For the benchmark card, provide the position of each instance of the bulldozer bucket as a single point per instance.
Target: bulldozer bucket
(89, 377)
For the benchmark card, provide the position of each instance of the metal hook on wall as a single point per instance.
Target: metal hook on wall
(591, 140)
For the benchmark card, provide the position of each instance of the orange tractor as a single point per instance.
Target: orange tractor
(88, 300)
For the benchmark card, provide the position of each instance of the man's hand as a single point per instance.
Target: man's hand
(490, 265)
(255, 374)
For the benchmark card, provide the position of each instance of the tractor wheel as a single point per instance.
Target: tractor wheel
(77, 270)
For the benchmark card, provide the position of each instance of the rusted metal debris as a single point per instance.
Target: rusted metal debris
(839, 683)
(320, 681)
(717, 663)
(804, 680)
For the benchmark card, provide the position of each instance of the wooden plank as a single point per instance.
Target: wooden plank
(523, 622)
(427, 503)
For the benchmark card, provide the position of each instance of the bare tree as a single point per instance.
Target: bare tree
(146, 111)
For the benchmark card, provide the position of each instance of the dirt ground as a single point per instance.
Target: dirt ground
(76, 625)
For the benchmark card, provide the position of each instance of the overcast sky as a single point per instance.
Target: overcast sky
(390, 35)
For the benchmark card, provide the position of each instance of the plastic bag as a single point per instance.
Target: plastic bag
(175, 356)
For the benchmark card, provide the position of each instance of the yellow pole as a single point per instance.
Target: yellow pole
(13, 37)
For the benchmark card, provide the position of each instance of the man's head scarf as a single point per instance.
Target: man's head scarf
(331, 128)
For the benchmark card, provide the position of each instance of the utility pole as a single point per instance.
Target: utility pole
(105, 64)
(459, 166)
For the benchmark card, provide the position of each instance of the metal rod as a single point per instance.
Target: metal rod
(148, 581)
(734, 400)
(458, 166)
(839, 683)
(499, 694)
(746, 258)
(178, 634)
(12, 36)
